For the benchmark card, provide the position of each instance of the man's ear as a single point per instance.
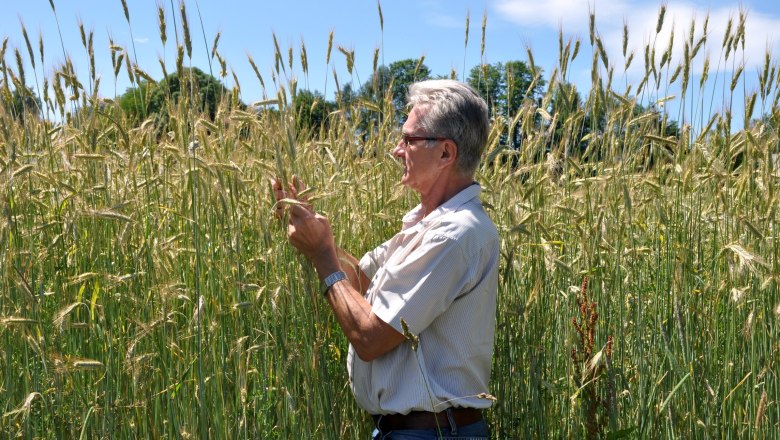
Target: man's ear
(449, 152)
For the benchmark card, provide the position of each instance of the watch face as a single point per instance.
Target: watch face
(332, 279)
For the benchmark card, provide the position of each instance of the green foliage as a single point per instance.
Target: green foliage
(135, 101)
(203, 91)
(397, 78)
(393, 82)
(140, 271)
(381, 100)
(576, 122)
(311, 111)
(505, 86)
(20, 102)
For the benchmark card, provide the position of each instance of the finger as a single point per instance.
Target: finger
(276, 186)
(298, 211)
(279, 196)
(279, 210)
(296, 188)
(293, 190)
(299, 185)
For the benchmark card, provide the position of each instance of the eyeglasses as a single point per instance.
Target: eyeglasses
(407, 139)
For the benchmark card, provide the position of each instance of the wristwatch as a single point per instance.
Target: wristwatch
(332, 279)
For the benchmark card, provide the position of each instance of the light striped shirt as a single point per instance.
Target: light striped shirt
(440, 275)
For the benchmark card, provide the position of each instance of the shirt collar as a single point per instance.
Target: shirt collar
(413, 217)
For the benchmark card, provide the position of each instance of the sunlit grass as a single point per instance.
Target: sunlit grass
(147, 291)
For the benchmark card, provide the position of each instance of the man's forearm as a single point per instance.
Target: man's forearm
(339, 259)
(349, 264)
(369, 335)
(310, 233)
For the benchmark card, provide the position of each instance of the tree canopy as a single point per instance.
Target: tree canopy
(312, 110)
(394, 79)
(20, 102)
(382, 98)
(508, 88)
(505, 86)
(156, 97)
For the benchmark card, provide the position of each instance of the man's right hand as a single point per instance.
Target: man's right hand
(307, 231)
(294, 188)
(311, 234)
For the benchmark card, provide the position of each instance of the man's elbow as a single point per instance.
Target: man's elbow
(366, 352)
(375, 340)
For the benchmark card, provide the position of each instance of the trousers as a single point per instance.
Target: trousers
(474, 431)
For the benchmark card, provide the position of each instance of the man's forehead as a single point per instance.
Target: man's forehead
(411, 122)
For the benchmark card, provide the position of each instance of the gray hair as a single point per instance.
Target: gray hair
(453, 110)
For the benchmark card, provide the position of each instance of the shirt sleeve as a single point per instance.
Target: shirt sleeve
(374, 259)
(423, 285)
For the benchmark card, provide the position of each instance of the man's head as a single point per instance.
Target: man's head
(452, 110)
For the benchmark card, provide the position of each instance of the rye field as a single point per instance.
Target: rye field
(147, 291)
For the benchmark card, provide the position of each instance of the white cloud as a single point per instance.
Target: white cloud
(141, 40)
(572, 16)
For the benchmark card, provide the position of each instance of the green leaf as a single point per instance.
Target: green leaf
(623, 433)
(93, 301)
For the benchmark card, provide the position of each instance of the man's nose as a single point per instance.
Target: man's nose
(398, 149)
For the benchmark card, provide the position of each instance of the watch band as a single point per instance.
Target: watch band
(332, 279)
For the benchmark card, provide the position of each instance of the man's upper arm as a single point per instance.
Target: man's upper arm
(374, 259)
(423, 285)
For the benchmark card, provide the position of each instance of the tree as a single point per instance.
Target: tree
(135, 100)
(396, 80)
(571, 121)
(487, 80)
(506, 88)
(20, 103)
(150, 98)
(382, 99)
(604, 114)
(404, 73)
(312, 110)
(347, 95)
(520, 86)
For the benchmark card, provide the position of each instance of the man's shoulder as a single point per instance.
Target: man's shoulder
(469, 224)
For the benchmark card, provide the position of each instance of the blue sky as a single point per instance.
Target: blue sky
(431, 28)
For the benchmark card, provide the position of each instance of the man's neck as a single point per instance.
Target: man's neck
(446, 189)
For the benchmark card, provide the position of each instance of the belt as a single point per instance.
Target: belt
(427, 420)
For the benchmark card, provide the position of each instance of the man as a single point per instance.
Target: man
(419, 310)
